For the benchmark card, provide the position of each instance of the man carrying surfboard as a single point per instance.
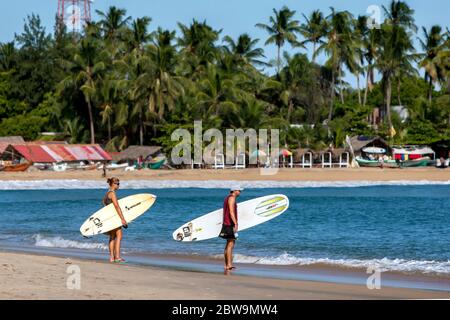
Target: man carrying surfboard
(115, 236)
(230, 225)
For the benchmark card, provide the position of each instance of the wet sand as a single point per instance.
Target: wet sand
(28, 276)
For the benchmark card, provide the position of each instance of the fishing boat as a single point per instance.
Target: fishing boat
(156, 165)
(17, 167)
(414, 156)
(420, 162)
(376, 163)
(115, 166)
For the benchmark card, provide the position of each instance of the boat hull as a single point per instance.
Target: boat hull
(377, 164)
(17, 168)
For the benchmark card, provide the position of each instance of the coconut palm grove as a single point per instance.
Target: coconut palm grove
(124, 81)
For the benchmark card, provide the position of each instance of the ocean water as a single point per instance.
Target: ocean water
(391, 226)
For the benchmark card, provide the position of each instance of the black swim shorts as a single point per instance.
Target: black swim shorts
(227, 232)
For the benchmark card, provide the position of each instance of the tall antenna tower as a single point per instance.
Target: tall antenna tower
(74, 13)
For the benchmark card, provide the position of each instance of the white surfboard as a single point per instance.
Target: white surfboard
(107, 219)
(250, 213)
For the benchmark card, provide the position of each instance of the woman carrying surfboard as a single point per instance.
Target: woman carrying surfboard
(230, 225)
(115, 236)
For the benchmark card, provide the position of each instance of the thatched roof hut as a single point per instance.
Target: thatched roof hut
(360, 142)
(298, 153)
(339, 151)
(135, 152)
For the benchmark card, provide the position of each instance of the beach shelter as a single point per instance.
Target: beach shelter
(303, 158)
(358, 143)
(132, 153)
(58, 153)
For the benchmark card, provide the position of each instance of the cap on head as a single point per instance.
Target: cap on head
(236, 188)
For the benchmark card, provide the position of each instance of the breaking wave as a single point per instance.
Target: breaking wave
(58, 242)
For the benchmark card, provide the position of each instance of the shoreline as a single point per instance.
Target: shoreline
(283, 174)
(317, 272)
(31, 276)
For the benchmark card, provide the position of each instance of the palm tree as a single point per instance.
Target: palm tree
(85, 72)
(217, 94)
(74, 128)
(252, 113)
(339, 49)
(432, 44)
(110, 91)
(138, 38)
(7, 56)
(361, 35)
(139, 35)
(244, 49)
(370, 48)
(112, 24)
(395, 48)
(290, 82)
(314, 30)
(158, 84)
(282, 29)
(197, 44)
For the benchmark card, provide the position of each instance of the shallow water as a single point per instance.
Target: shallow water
(395, 227)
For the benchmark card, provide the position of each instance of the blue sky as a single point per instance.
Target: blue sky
(233, 16)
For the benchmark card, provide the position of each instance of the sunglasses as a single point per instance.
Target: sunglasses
(117, 184)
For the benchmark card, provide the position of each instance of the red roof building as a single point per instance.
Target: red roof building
(54, 153)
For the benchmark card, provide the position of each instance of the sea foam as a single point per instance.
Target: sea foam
(209, 184)
(58, 242)
(383, 265)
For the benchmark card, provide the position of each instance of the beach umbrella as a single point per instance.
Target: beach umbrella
(285, 153)
(258, 153)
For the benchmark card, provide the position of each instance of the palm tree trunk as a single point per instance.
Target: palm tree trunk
(388, 102)
(366, 91)
(399, 83)
(314, 52)
(278, 61)
(430, 91)
(359, 89)
(91, 120)
(141, 129)
(341, 91)
(330, 114)
(290, 109)
(109, 129)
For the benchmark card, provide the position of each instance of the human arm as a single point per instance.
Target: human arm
(115, 202)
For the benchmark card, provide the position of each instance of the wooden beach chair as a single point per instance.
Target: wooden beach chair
(219, 162)
(341, 158)
(198, 164)
(344, 160)
(326, 159)
(240, 161)
(303, 158)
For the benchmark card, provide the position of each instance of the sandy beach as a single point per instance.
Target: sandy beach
(283, 174)
(26, 276)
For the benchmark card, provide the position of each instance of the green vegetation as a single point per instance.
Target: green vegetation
(124, 81)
